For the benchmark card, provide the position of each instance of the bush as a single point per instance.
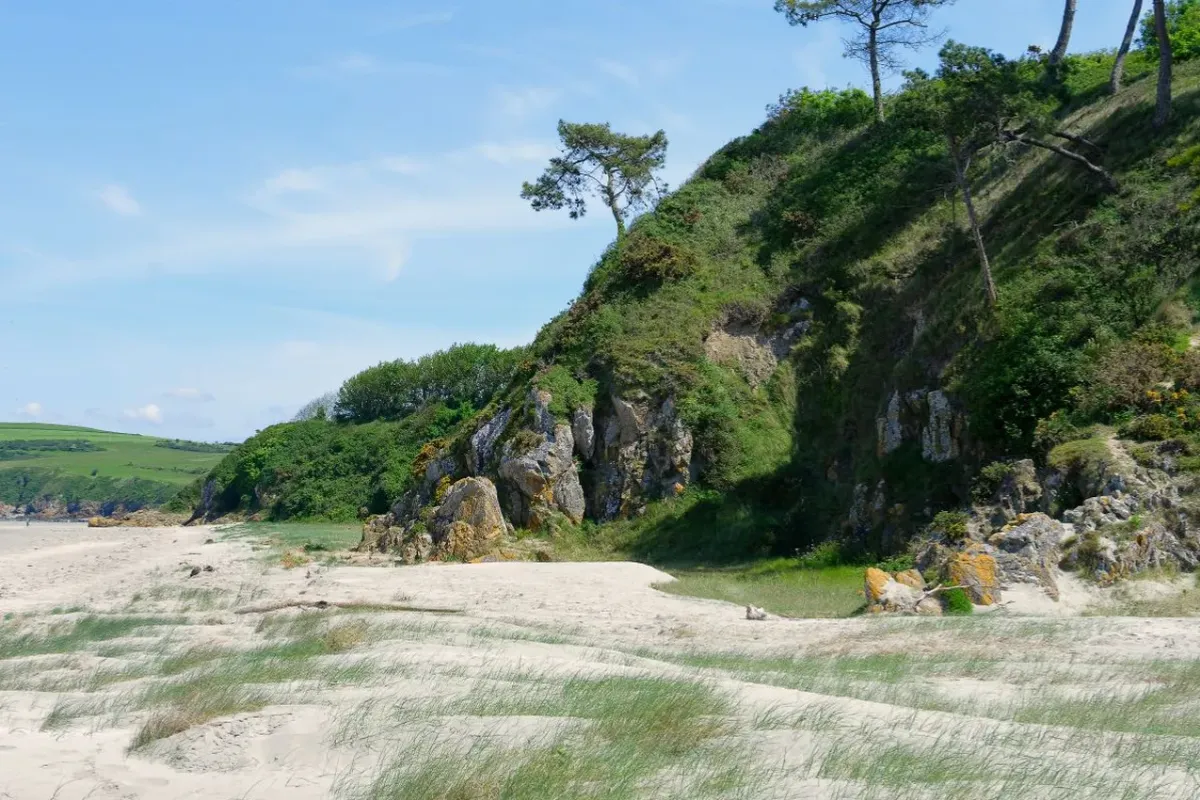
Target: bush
(567, 392)
(990, 479)
(956, 602)
(1151, 427)
(950, 524)
(649, 259)
(898, 563)
(1054, 430)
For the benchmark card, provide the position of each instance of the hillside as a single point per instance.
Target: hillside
(58, 469)
(795, 346)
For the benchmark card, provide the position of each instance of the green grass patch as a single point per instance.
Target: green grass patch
(778, 586)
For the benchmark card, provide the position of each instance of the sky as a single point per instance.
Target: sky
(212, 212)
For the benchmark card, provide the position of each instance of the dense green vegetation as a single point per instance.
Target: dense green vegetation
(466, 375)
(853, 229)
(322, 469)
(71, 465)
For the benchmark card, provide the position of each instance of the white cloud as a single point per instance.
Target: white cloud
(515, 152)
(31, 410)
(417, 20)
(119, 201)
(323, 217)
(364, 64)
(293, 180)
(622, 72)
(147, 413)
(190, 393)
(519, 103)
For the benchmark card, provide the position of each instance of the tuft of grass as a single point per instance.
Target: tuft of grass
(639, 727)
(196, 704)
(69, 637)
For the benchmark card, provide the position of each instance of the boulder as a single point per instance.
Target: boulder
(1028, 550)
(469, 522)
(910, 577)
(886, 594)
(974, 568)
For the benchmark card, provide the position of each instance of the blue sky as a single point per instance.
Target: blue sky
(212, 212)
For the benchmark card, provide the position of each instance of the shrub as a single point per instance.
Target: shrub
(990, 479)
(1151, 427)
(957, 602)
(566, 391)
(950, 524)
(1190, 160)
(1054, 430)
(897, 563)
(822, 556)
(649, 259)
(1126, 376)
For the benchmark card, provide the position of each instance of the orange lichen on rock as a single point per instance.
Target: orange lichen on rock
(910, 577)
(975, 571)
(874, 583)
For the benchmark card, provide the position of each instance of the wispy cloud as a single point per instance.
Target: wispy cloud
(31, 411)
(118, 200)
(320, 218)
(350, 65)
(515, 152)
(419, 20)
(520, 103)
(191, 394)
(147, 413)
(620, 71)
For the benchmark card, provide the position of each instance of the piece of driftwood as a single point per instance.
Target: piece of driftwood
(324, 604)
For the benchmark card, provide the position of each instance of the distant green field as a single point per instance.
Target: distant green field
(121, 455)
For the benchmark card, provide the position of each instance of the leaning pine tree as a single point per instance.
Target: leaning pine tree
(619, 169)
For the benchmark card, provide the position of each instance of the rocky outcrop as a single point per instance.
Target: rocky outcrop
(538, 471)
(467, 525)
(745, 346)
(929, 418)
(644, 451)
(469, 521)
(1029, 550)
(483, 442)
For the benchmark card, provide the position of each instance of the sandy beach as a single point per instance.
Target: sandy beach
(411, 654)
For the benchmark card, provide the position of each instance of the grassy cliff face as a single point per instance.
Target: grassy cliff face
(817, 273)
(43, 464)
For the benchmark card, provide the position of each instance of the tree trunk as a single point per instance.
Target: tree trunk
(876, 81)
(1064, 34)
(1162, 112)
(610, 197)
(1118, 73)
(960, 175)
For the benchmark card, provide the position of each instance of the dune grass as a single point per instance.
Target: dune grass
(780, 586)
(74, 635)
(633, 734)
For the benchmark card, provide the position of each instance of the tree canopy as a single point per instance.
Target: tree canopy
(597, 161)
(463, 375)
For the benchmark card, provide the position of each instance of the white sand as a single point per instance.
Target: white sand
(563, 619)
